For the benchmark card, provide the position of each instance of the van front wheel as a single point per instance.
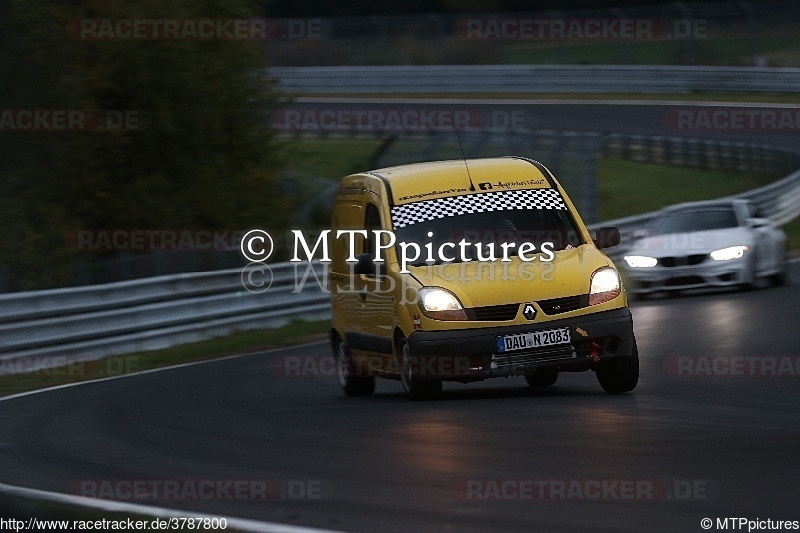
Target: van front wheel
(620, 374)
(416, 388)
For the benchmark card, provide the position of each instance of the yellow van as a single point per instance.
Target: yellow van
(465, 270)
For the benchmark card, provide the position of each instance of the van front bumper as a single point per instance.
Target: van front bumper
(472, 354)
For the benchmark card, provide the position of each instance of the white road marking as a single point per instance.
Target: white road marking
(158, 512)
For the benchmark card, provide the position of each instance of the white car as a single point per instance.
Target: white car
(720, 243)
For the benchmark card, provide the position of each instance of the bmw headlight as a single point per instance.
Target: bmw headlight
(640, 261)
(726, 254)
(440, 304)
(605, 286)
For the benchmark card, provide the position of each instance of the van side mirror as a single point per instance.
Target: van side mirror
(366, 266)
(606, 237)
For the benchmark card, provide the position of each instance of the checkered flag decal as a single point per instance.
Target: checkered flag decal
(408, 214)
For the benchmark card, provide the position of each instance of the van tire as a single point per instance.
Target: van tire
(620, 374)
(351, 385)
(416, 388)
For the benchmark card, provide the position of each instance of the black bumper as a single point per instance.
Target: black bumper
(472, 354)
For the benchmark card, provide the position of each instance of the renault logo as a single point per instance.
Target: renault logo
(529, 311)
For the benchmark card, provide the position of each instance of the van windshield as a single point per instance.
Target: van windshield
(487, 231)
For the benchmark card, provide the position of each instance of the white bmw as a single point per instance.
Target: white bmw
(718, 243)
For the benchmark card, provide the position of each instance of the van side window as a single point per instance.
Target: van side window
(372, 221)
(347, 215)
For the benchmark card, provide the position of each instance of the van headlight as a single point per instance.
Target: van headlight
(440, 304)
(726, 254)
(605, 286)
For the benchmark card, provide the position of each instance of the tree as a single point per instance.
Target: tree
(196, 150)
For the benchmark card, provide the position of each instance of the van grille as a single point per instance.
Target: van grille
(565, 304)
(505, 312)
(549, 354)
(495, 313)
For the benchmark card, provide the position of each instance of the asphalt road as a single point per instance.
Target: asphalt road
(691, 442)
(681, 448)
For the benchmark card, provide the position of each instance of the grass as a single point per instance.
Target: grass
(628, 188)
(596, 53)
(792, 230)
(329, 158)
(727, 50)
(296, 332)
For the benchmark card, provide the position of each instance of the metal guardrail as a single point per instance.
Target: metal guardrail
(151, 313)
(509, 79)
(491, 37)
(779, 201)
(130, 316)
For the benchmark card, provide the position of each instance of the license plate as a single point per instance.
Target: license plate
(534, 339)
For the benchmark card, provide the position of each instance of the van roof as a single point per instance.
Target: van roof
(439, 179)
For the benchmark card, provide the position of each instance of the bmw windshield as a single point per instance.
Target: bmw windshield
(696, 220)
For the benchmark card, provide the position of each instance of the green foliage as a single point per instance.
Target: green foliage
(200, 154)
(627, 188)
